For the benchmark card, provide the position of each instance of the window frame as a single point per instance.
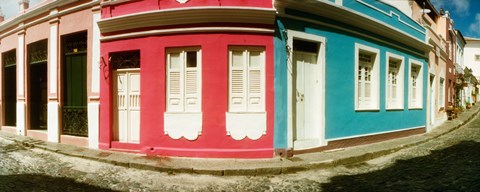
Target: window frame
(400, 90)
(246, 78)
(183, 73)
(247, 123)
(374, 104)
(441, 93)
(417, 103)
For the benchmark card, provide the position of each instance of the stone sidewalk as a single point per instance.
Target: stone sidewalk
(251, 167)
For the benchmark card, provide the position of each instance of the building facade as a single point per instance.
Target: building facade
(188, 78)
(437, 97)
(340, 81)
(226, 78)
(471, 60)
(49, 79)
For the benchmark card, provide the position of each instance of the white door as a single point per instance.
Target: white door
(307, 101)
(432, 99)
(127, 100)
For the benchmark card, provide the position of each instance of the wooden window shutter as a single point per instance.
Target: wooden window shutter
(237, 87)
(174, 82)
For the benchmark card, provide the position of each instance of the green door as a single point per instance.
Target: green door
(74, 112)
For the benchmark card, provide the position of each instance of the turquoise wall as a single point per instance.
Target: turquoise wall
(387, 14)
(341, 119)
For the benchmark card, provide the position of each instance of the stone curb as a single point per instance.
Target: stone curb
(130, 161)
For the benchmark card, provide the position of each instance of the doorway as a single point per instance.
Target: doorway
(126, 96)
(74, 84)
(307, 100)
(10, 88)
(37, 81)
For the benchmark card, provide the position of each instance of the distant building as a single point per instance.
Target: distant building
(471, 59)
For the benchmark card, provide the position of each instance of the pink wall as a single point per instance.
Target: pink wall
(149, 5)
(213, 142)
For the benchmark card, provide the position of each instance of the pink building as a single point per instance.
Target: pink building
(187, 78)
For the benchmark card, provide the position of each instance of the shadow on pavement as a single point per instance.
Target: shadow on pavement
(36, 182)
(456, 168)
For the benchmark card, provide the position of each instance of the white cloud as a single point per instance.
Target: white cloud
(474, 28)
(459, 6)
(438, 4)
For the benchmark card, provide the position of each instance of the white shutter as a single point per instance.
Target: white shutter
(255, 81)
(192, 81)
(174, 82)
(365, 80)
(237, 87)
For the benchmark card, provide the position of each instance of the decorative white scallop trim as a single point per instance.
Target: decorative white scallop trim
(251, 125)
(187, 125)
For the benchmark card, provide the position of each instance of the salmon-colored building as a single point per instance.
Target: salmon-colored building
(50, 74)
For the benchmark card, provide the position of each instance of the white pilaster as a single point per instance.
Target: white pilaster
(52, 58)
(20, 84)
(20, 65)
(93, 124)
(53, 105)
(52, 122)
(96, 55)
(94, 107)
(21, 118)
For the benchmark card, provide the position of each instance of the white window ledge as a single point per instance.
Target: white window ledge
(251, 125)
(187, 125)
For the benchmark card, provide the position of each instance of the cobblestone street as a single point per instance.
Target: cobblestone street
(449, 163)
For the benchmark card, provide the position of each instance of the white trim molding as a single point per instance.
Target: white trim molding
(322, 41)
(415, 84)
(362, 101)
(190, 15)
(185, 31)
(348, 16)
(398, 103)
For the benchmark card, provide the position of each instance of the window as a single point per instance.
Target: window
(183, 80)
(367, 78)
(441, 92)
(183, 116)
(246, 79)
(415, 84)
(246, 116)
(394, 90)
(477, 57)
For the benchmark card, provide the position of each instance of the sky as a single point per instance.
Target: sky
(465, 15)
(9, 8)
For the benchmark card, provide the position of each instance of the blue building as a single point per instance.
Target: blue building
(347, 72)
